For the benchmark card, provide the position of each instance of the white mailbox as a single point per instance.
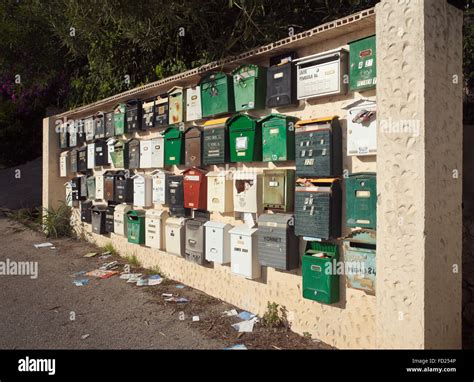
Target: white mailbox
(152, 153)
(322, 74)
(90, 155)
(120, 219)
(175, 236)
(64, 164)
(247, 192)
(243, 252)
(362, 129)
(99, 187)
(217, 242)
(160, 180)
(68, 188)
(89, 128)
(110, 149)
(193, 103)
(219, 192)
(142, 190)
(154, 228)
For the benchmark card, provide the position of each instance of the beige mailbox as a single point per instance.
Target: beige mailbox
(175, 236)
(120, 219)
(99, 187)
(247, 192)
(142, 190)
(217, 242)
(219, 192)
(152, 153)
(154, 228)
(243, 252)
(64, 164)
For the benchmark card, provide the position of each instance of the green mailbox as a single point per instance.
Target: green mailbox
(119, 119)
(278, 137)
(245, 136)
(90, 181)
(217, 96)
(136, 226)
(363, 68)
(250, 83)
(320, 272)
(361, 200)
(174, 146)
(120, 154)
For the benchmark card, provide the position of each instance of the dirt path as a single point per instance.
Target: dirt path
(109, 314)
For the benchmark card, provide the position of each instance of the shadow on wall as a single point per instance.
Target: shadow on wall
(20, 186)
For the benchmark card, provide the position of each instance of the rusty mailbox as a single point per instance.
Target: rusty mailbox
(193, 147)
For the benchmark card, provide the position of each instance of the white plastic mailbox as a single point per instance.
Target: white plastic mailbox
(90, 155)
(120, 219)
(193, 103)
(110, 149)
(247, 192)
(99, 187)
(152, 153)
(160, 180)
(142, 190)
(362, 131)
(175, 236)
(244, 252)
(155, 221)
(64, 164)
(217, 242)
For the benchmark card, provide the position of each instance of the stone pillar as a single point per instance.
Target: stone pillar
(53, 185)
(419, 174)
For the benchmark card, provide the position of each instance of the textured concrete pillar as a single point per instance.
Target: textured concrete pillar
(419, 160)
(53, 185)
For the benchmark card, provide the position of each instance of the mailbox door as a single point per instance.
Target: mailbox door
(157, 152)
(249, 87)
(361, 201)
(124, 189)
(82, 159)
(134, 153)
(98, 221)
(153, 237)
(244, 260)
(278, 139)
(159, 189)
(133, 115)
(245, 139)
(82, 188)
(217, 243)
(193, 146)
(216, 94)
(90, 155)
(176, 106)
(193, 103)
(362, 132)
(119, 119)
(278, 190)
(109, 219)
(120, 219)
(175, 190)
(139, 192)
(175, 239)
(120, 156)
(90, 187)
(72, 135)
(161, 111)
(100, 153)
(86, 216)
(136, 228)
(99, 187)
(363, 68)
(173, 146)
(148, 112)
(109, 188)
(73, 159)
(219, 194)
(215, 145)
(194, 236)
(109, 125)
(281, 85)
(145, 154)
(246, 195)
(195, 189)
(99, 125)
(89, 129)
(63, 165)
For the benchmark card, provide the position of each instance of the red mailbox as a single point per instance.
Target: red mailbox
(195, 188)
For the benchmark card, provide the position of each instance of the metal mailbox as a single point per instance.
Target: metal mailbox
(109, 185)
(195, 241)
(148, 114)
(152, 153)
(81, 132)
(176, 105)
(175, 195)
(322, 74)
(215, 142)
(278, 137)
(90, 181)
(63, 135)
(82, 159)
(361, 200)
(219, 192)
(73, 160)
(119, 119)
(142, 190)
(86, 216)
(119, 155)
(278, 247)
(193, 147)
(133, 153)
(320, 279)
(99, 125)
(100, 153)
(250, 82)
(99, 187)
(76, 188)
(318, 147)
(174, 146)
(91, 155)
(155, 221)
(110, 149)
(318, 208)
(133, 115)
(363, 68)
(161, 110)
(217, 242)
(64, 164)
(281, 81)
(123, 188)
(109, 218)
(68, 194)
(247, 192)
(360, 261)
(89, 128)
(195, 188)
(120, 219)
(136, 226)
(71, 126)
(98, 219)
(109, 125)
(278, 190)
(175, 235)
(82, 187)
(362, 129)
(160, 185)
(245, 134)
(193, 103)
(244, 252)
(217, 96)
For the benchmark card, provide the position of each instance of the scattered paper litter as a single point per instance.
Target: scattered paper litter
(77, 274)
(85, 336)
(108, 266)
(43, 245)
(178, 300)
(90, 254)
(230, 313)
(101, 273)
(195, 318)
(245, 326)
(52, 248)
(150, 280)
(179, 286)
(126, 276)
(244, 315)
(237, 347)
(80, 282)
(167, 294)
